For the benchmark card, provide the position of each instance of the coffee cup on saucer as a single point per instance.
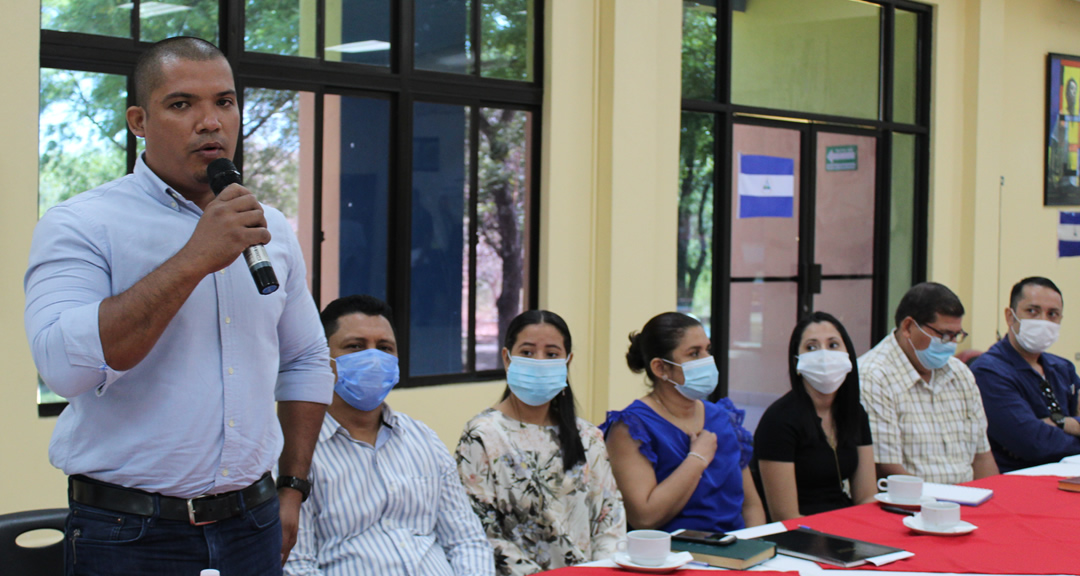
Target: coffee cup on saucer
(902, 489)
(646, 547)
(940, 516)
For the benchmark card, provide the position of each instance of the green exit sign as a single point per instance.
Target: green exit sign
(839, 158)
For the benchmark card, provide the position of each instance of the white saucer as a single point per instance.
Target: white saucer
(916, 524)
(674, 561)
(883, 498)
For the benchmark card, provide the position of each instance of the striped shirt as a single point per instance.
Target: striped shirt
(933, 429)
(394, 508)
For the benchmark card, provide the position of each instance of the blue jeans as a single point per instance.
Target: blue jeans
(100, 542)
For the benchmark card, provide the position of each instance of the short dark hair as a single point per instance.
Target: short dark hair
(925, 301)
(355, 304)
(846, 410)
(148, 75)
(657, 339)
(563, 410)
(1018, 289)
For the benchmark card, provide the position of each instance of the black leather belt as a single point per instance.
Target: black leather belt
(199, 510)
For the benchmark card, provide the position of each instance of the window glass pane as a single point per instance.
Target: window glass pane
(82, 141)
(161, 20)
(355, 197)
(358, 31)
(104, 17)
(844, 196)
(901, 219)
(502, 225)
(761, 317)
(694, 247)
(699, 49)
(284, 27)
(851, 301)
(905, 66)
(82, 134)
(439, 199)
(508, 35)
(807, 55)
(444, 36)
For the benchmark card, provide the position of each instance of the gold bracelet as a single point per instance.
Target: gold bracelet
(699, 457)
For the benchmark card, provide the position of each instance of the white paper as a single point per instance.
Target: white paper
(960, 494)
(763, 530)
(1065, 470)
(887, 558)
(1074, 459)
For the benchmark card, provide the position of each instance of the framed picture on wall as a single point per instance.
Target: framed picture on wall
(1062, 186)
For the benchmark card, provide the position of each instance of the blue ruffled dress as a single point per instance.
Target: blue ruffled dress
(716, 504)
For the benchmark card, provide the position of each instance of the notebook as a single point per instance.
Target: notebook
(738, 556)
(827, 548)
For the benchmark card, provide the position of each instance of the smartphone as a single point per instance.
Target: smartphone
(714, 538)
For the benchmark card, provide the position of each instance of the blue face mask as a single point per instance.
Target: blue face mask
(937, 354)
(364, 378)
(699, 378)
(535, 382)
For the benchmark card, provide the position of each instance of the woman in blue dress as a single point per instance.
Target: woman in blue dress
(680, 460)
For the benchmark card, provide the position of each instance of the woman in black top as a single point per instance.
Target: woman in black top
(813, 445)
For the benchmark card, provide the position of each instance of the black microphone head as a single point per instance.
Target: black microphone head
(221, 173)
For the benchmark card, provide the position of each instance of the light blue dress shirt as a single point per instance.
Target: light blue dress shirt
(196, 416)
(394, 508)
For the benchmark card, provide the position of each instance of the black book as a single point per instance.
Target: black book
(827, 548)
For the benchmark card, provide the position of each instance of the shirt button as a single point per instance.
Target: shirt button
(225, 472)
(230, 371)
(174, 204)
(223, 272)
(228, 320)
(231, 423)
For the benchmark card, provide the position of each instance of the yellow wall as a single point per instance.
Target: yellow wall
(609, 168)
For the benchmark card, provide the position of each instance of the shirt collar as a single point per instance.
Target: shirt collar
(157, 189)
(1016, 360)
(331, 426)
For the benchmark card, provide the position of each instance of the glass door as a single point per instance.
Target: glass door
(802, 221)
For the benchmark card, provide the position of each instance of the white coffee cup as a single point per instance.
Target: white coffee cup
(902, 489)
(646, 547)
(940, 516)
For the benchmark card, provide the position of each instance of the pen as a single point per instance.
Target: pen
(898, 510)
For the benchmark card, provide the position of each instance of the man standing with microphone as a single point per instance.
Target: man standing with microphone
(141, 312)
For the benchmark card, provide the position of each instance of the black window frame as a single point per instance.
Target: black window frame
(402, 84)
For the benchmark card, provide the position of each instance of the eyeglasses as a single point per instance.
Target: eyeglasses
(946, 337)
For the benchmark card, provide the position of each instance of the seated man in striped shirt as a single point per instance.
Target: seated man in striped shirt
(926, 415)
(386, 497)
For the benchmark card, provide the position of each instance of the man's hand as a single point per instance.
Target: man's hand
(289, 500)
(229, 224)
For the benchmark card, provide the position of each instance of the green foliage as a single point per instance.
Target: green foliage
(699, 54)
(272, 147)
(507, 39)
(86, 16)
(272, 26)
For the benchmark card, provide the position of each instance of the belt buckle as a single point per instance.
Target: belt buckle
(191, 511)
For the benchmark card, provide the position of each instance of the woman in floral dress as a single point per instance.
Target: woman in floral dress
(537, 475)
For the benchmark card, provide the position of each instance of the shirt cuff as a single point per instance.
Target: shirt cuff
(305, 386)
(82, 343)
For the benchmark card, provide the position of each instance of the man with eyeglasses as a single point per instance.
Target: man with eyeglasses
(1030, 395)
(926, 415)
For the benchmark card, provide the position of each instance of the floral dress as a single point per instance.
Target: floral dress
(538, 517)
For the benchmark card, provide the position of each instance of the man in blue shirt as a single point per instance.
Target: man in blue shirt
(1030, 396)
(140, 311)
(386, 495)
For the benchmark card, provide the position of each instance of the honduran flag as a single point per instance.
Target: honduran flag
(766, 186)
(1069, 234)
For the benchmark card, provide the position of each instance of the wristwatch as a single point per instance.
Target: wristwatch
(1058, 418)
(298, 484)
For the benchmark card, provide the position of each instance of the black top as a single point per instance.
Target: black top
(790, 431)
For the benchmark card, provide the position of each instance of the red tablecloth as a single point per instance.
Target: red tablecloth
(1028, 527)
(592, 571)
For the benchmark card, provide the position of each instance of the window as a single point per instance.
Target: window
(400, 139)
(803, 175)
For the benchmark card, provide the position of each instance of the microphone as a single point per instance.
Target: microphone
(223, 172)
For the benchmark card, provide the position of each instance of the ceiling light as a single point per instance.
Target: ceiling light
(151, 9)
(362, 46)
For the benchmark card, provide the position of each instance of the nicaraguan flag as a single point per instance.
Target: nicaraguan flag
(766, 186)
(1069, 234)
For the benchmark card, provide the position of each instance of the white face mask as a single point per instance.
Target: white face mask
(824, 370)
(1036, 336)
